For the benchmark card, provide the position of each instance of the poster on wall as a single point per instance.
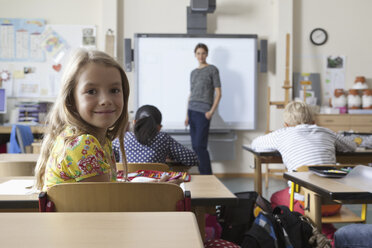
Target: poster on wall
(19, 39)
(42, 79)
(334, 76)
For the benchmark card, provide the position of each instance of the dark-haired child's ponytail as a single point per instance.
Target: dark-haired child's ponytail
(145, 129)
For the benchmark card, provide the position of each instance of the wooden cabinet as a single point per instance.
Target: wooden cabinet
(345, 122)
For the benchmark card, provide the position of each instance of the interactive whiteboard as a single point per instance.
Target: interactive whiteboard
(163, 63)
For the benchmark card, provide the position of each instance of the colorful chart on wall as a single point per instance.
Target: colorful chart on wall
(19, 39)
(39, 78)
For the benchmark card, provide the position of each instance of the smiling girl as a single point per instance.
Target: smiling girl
(90, 111)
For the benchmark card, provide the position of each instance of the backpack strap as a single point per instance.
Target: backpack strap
(45, 205)
(185, 204)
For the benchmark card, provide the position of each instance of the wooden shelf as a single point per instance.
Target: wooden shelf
(345, 122)
(345, 216)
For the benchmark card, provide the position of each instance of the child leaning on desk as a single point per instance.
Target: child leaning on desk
(147, 144)
(301, 142)
(90, 111)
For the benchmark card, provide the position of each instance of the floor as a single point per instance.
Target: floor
(246, 184)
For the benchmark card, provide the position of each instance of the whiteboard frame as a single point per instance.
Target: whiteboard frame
(138, 36)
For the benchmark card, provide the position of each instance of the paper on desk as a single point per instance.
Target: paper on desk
(359, 177)
(265, 150)
(182, 185)
(17, 187)
(143, 179)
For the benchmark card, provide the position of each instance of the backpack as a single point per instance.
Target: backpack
(237, 220)
(266, 232)
(298, 230)
(281, 229)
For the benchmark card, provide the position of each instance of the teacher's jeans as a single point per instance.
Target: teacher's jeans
(199, 130)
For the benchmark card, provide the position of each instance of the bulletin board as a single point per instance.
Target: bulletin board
(31, 76)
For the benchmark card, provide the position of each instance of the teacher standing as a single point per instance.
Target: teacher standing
(203, 101)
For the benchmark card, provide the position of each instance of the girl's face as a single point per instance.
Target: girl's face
(99, 96)
(201, 55)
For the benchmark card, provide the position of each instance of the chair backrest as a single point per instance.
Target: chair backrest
(115, 197)
(133, 167)
(16, 168)
(36, 146)
(20, 137)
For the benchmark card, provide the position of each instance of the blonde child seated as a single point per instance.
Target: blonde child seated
(301, 142)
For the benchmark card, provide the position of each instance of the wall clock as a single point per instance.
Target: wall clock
(318, 36)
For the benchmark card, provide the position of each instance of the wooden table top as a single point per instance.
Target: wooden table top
(206, 190)
(19, 157)
(149, 229)
(274, 153)
(329, 187)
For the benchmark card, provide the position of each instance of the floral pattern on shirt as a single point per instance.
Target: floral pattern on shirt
(82, 158)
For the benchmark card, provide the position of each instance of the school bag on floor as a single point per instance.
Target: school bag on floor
(237, 220)
(283, 229)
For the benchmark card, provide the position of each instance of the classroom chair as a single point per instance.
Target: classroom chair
(16, 168)
(21, 138)
(273, 172)
(115, 197)
(36, 147)
(133, 167)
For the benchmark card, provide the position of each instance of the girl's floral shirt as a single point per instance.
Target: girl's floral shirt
(83, 157)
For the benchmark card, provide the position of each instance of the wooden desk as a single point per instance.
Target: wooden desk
(206, 192)
(18, 202)
(321, 189)
(148, 229)
(19, 157)
(274, 157)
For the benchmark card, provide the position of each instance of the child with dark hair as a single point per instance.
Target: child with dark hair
(148, 145)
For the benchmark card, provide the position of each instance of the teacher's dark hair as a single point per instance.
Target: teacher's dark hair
(148, 118)
(201, 45)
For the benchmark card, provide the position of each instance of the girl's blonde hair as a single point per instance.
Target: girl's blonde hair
(64, 114)
(296, 113)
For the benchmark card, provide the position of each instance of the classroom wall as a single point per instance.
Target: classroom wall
(348, 26)
(54, 11)
(168, 16)
(347, 23)
(230, 17)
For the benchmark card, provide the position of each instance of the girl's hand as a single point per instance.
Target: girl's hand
(165, 179)
(208, 115)
(176, 181)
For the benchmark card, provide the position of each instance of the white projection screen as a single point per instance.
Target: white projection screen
(163, 63)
